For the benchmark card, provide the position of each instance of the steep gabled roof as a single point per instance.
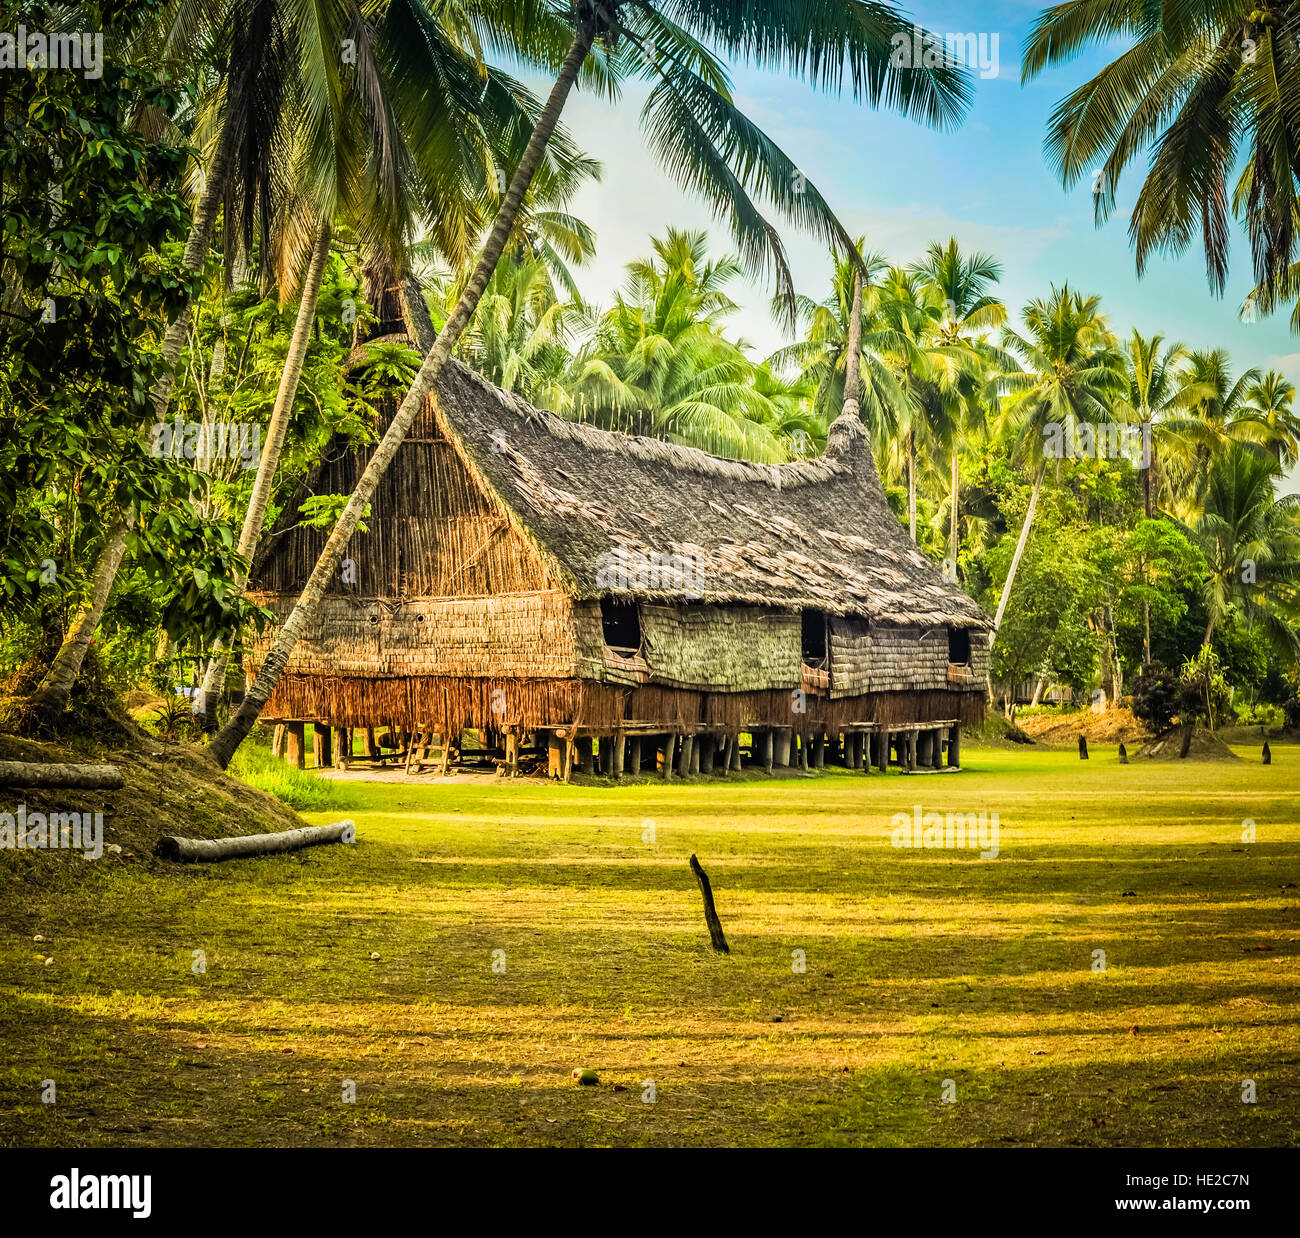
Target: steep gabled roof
(638, 517)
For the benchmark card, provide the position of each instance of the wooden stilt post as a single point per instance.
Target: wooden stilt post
(320, 745)
(634, 761)
(277, 741)
(735, 752)
(954, 746)
(293, 750)
(554, 756)
(884, 752)
(512, 754)
(765, 751)
(342, 746)
(706, 745)
(617, 753)
(911, 750)
(568, 757)
(695, 755)
(372, 746)
(819, 752)
(782, 755)
(684, 759)
(936, 749)
(670, 750)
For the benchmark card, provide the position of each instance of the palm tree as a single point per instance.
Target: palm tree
(1200, 88)
(1209, 402)
(659, 364)
(1073, 370)
(520, 334)
(702, 138)
(1251, 541)
(964, 362)
(1155, 393)
(1268, 417)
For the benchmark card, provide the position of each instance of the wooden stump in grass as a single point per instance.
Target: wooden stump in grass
(1268, 756)
(716, 934)
(1083, 748)
(1123, 755)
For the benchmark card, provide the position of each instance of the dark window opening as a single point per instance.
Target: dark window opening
(814, 638)
(621, 624)
(959, 646)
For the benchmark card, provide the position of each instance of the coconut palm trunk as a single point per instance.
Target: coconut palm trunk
(264, 482)
(911, 483)
(51, 696)
(953, 540)
(1020, 547)
(236, 730)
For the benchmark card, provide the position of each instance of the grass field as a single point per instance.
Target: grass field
(922, 966)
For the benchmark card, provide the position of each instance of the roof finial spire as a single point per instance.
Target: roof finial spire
(853, 363)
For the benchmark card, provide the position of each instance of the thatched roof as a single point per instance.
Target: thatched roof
(638, 517)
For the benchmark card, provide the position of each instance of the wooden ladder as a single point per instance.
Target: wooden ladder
(417, 755)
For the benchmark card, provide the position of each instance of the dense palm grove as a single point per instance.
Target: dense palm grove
(196, 241)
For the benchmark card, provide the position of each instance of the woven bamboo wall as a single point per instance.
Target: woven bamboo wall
(525, 636)
(431, 533)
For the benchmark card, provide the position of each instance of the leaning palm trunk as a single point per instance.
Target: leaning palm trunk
(51, 696)
(264, 482)
(235, 731)
(1020, 548)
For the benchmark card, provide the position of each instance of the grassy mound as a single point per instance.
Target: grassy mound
(1110, 726)
(1205, 746)
(171, 788)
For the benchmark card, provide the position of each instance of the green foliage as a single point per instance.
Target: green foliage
(92, 217)
(301, 790)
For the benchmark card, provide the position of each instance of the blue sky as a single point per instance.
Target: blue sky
(902, 185)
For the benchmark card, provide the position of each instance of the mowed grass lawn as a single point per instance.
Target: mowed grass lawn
(922, 966)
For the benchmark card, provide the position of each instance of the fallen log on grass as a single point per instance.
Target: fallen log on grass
(77, 777)
(710, 912)
(171, 847)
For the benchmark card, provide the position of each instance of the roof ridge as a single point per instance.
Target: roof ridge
(791, 474)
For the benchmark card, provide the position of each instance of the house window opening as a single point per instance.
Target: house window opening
(621, 624)
(814, 638)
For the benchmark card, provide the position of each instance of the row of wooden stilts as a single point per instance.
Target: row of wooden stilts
(644, 749)
(641, 748)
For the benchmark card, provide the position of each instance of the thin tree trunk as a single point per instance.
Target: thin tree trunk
(264, 482)
(1020, 548)
(196, 254)
(52, 693)
(911, 483)
(235, 731)
(953, 539)
(51, 696)
(853, 362)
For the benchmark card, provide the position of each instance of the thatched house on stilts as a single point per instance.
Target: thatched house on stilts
(623, 605)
